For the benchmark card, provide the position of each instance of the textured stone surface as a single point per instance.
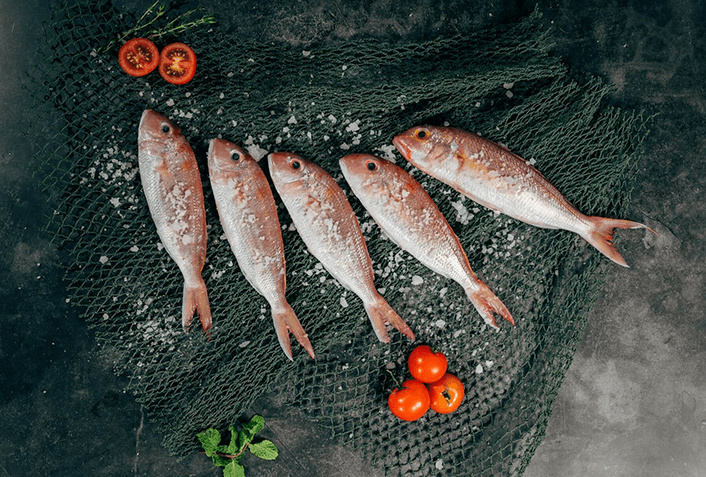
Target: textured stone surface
(634, 399)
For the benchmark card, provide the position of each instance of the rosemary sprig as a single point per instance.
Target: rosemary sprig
(157, 11)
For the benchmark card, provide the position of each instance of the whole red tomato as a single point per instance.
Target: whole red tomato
(425, 365)
(410, 402)
(446, 394)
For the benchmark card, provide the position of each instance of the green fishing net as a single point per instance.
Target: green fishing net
(322, 103)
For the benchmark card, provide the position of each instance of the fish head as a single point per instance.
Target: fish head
(157, 135)
(290, 172)
(227, 161)
(365, 173)
(425, 147)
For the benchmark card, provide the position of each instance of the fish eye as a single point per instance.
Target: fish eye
(296, 165)
(422, 134)
(235, 155)
(371, 165)
(165, 128)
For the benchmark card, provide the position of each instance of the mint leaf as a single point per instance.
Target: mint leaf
(233, 446)
(210, 438)
(264, 450)
(234, 470)
(220, 461)
(256, 424)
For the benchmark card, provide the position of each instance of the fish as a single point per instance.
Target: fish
(172, 186)
(410, 218)
(248, 214)
(494, 177)
(328, 226)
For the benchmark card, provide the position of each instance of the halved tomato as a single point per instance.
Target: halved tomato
(138, 57)
(177, 63)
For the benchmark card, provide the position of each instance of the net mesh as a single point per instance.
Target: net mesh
(323, 103)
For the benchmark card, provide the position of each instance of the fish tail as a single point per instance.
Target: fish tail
(196, 300)
(601, 236)
(286, 321)
(487, 303)
(380, 314)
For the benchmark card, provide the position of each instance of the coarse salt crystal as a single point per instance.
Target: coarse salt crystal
(417, 280)
(103, 259)
(479, 369)
(344, 303)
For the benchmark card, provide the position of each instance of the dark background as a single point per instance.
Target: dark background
(634, 400)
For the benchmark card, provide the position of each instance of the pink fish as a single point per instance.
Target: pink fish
(326, 222)
(494, 177)
(172, 185)
(248, 213)
(406, 213)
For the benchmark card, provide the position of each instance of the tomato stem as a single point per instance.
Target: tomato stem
(230, 456)
(397, 383)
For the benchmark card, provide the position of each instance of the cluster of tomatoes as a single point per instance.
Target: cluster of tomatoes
(430, 386)
(177, 62)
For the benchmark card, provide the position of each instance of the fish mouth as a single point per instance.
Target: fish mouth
(401, 145)
(344, 167)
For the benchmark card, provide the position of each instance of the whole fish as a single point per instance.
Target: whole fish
(406, 213)
(494, 177)
(326, 222)
(248, 214)
(172, 185)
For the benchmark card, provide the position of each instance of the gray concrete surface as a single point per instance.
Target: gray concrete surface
(634, 400)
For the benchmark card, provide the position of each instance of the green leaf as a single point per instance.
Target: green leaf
(256, 424)
(210, 438)
(233, 446)
(234, 470)
(220, 461)
(264, 450)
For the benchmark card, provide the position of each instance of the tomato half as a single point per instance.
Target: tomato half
(177, 63)
(410, 402)
(138, 57)
(446, 394)
(425, 365)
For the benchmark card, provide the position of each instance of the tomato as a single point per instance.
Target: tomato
(425, 365)
(138, 57)
(410, 402)
(446, 394)
(177, 63)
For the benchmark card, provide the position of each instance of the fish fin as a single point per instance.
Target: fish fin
(286, 321)
(601, 236)
(486, 303)
(380, 314)
(196, 300)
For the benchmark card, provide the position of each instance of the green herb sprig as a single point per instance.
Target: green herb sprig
(150, 17)
(228, 456)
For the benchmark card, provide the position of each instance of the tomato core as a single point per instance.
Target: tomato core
(177, 63)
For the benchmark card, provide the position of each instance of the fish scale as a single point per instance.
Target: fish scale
(492, 176)
(406, 213)
(248, 214)
(172, 186)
